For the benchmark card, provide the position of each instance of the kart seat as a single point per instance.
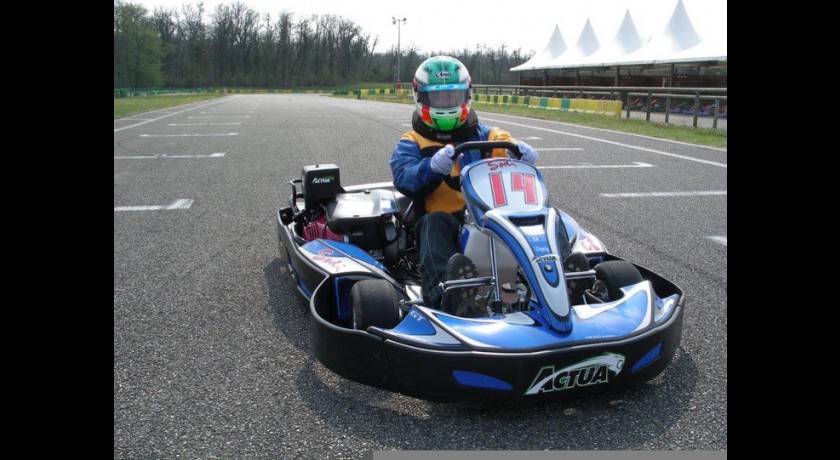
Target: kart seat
(409, 213)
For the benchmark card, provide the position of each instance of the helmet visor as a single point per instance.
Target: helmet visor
(443, 96)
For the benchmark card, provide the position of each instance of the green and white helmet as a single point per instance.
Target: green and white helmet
(442, 93)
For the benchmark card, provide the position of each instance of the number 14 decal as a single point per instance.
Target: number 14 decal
(520, 182)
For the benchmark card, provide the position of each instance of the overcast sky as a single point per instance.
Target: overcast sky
(445, 26)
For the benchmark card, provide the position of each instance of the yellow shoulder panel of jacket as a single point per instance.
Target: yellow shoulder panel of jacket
(497, 134)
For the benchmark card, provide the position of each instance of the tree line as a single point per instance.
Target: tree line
(235, 46)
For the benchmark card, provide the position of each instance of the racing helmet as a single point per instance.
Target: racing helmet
(442, 93)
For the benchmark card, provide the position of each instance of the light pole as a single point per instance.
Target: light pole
(480, 50)
(397, 22)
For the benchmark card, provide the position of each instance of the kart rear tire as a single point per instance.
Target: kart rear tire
(375, 302)
(617, 274)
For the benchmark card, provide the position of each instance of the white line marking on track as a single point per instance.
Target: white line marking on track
(388, 104)
(177, 204)
(204, 124)
(560, 149)
(217, 112)
(172, 113)
(227, 116)
(181, 204)
(621, 132)
(163, 155)
(718, 239)
(187, 135)
(636, 164)
(530, 138)
(664, 194)
(620, 144)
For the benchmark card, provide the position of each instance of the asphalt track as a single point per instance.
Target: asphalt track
(212, 355)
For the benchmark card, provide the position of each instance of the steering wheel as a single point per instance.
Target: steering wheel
(483, 147)
(486, 146)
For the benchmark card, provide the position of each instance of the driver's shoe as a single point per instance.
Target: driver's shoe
(462, 301)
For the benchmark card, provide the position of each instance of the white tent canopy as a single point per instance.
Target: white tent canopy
(555, 47)
(626, 41)
(679, 40)
(586, 44)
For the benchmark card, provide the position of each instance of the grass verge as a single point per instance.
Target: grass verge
(700, 136)
(124, 107)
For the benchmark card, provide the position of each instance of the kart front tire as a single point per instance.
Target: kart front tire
(617, 274)
(375, 302)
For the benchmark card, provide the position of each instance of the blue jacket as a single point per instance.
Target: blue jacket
(413, 176)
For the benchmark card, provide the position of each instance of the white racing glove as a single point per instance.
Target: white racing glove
(529, 154)
(442, 161)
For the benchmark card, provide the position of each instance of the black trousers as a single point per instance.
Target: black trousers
(437, 236)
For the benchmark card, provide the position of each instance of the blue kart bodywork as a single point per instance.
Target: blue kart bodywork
(548, 346)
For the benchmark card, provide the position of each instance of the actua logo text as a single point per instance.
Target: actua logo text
(323, 180)
(592, 371)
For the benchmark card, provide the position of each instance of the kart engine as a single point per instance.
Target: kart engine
(367, 219)
(317, 228)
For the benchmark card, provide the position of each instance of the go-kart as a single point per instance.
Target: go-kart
(542, 331)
